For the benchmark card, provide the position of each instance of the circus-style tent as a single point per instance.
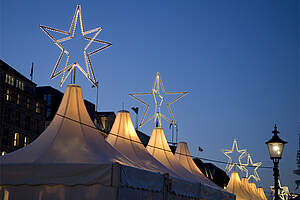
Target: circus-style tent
(262, 193)
(183, 155)
(69, 156)
(158, 147)
(243, 189)
(123, 137)
(72, 160)
(70, 138)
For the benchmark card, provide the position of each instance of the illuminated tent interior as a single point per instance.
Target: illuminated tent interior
(183, 155)
(123, 137)
(262, 193)
(243, 189)
(72, 160)
(158, 147)
(70, 138)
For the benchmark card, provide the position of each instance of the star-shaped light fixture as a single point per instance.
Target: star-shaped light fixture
(157, 91)
(230, 162)
(89, 73)
(251, 164)
(283, 191)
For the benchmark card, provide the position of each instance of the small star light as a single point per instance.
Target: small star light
(283, 192)
(70, 34)
(256, 165)
(158, 99)
(230, 163)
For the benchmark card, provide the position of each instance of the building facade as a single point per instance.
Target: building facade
(104, 121)
(21, 111)
(53, 97)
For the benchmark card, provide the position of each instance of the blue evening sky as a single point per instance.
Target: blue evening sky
(239, 61)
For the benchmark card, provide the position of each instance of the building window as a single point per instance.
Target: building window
(8, 95)
(18, 119)
(6, 78)
(3, 153)
(36, 125)
(5, 137)
(28, 103)
(18, 98)
(37, 107)
(16, 139)
(48, 98)
(26, 141)
(7, 113)
(48, 113)
(19, 84)
(9, 79)
(27, 123)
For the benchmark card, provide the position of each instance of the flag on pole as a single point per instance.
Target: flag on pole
(31, 71)
(200, 149)
(135, 109)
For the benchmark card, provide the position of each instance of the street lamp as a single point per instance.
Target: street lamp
(275, 147)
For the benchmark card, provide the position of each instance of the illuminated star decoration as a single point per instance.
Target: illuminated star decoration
(256, 165)
(157, 91)
(89, 73)
(283, 192)
(230, 164)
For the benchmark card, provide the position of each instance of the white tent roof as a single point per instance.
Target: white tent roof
(158, 147)
(72, 160)
(243, 189)
(236, 187)
(70, 138)
(255, 191)
(183, 155)
(124, 138)
(262, 193)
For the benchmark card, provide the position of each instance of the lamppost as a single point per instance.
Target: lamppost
(275, 147)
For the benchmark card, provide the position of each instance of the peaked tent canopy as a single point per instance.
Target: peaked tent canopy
(262, 193)
(72, 160)
(255, 191)
(124, 138)
(70, 138)
(242, 189)
(159, 148)
(183, 155)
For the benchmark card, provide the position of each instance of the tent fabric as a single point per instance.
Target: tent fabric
(183, 155)
(159, 148)
(262, 193)
(66, 174)
(122, 185)
(123, 137)
(235, 187)
(243, 189)
(70, 138)
(72, 160)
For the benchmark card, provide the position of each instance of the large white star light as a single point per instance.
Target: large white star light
(231, 163)
(251, 164)
(283, 192)
(68, 68)
(157, 91)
